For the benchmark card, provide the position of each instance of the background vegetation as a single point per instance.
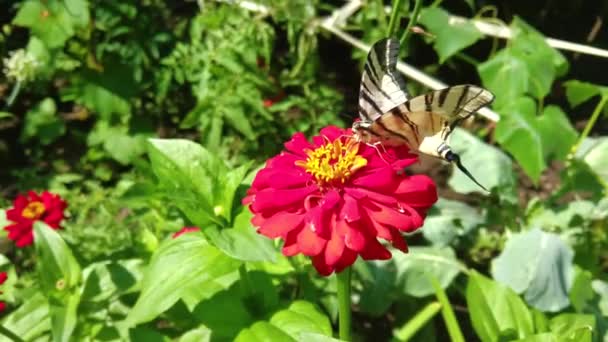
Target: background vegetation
(86, 83)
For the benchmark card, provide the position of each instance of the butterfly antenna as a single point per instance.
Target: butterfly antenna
(453, 157)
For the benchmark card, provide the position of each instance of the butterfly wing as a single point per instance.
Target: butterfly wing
(453, 103)
(382, 87)
(425, 122)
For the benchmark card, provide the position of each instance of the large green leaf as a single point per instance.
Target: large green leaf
(451, 36)
(492, 167)
(189, 174)
(496, 309)
(578, 92)
(31, 319)
(106, 279)
(177, 265)
(518, 132)
(506, 75)
(242, 242)
(59, 274)
(415, 268)
(556, 145)
(539, 265)
(291, 324)
(450, 220)
(53, 22)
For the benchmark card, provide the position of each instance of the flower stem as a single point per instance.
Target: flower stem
(344, 313)
(590, 124)
(412, 22)
(14, 94)
(395, 18)
(4, 331)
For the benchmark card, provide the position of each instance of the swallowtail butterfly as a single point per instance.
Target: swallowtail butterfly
(389, 117)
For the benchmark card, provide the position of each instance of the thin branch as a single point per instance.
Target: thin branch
(412, 22)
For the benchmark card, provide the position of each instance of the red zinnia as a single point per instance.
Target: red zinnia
(46, 207)
(3, 277)
(185, 230)
(332, 198)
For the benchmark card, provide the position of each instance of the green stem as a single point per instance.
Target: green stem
(590, 124)
(447, 312)
(395, 18)
(10, 334)
(14, 94)
(245, 283)
(412, 22)
(344, 313)
(413, 325)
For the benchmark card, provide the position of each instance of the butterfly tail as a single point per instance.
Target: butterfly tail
(453, 157)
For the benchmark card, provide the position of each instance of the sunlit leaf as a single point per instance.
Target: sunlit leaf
(495, 308)
(539, 265)
(451, 36)
(163, 283)
(517, 131)
(450, 220)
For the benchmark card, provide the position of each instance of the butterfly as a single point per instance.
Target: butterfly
(389, 117)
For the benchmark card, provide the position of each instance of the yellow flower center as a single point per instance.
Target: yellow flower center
(33, 210)
(333, 162)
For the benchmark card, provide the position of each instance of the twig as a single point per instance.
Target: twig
(412, 22)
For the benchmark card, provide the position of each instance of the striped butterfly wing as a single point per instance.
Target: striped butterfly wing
(382, 87)
(425, 122)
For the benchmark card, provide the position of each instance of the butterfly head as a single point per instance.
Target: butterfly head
(361, 131)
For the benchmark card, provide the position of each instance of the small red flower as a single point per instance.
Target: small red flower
(185, 230)
(268, 103)
(333, 198)
(3, 277)
(46, 207)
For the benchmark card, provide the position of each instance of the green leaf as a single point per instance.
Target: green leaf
(57, 268)
(189, 175)
(106, 279)
(242, 242)
(378, 292)
(556, 145)
(449, 220)
(415, 268)
(492, 167)
(594, 152)
(164, 284)
(291, 324)
(451, 36)
(224, 313)
(59, 274)
(547, 276)
(4, 115)
(50, 21)
(200, 334)
(578, 92)
(517, 131)
(31, 319)
(494, 309)
(573, 327)
(506, 75)
(42, 122)
(105, 93)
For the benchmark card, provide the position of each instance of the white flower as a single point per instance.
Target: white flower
(20, 65)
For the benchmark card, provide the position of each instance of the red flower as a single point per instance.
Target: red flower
(3, 277)
(46, 207)
(185, 230)
(333, 198)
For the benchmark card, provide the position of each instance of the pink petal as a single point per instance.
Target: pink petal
(310, 243)
(274, 200)
(280, 224)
